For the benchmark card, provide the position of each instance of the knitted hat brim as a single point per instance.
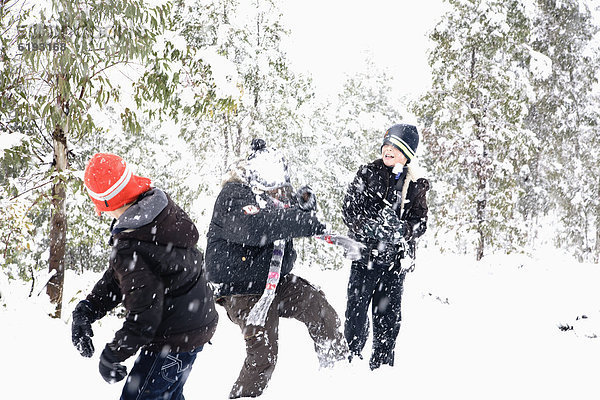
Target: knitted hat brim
(133, 189)
(400, 145)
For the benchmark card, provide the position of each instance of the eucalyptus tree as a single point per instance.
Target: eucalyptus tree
(66, 51)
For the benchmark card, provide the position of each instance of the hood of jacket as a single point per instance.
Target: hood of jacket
(236, 173)
(154, 217)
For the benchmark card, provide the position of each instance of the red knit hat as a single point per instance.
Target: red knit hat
(111, 183)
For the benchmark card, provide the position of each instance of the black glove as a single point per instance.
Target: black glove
(111, 370)
(394, 226)
(374, 229)
(81, 328)
(306, 198)
(387, 227)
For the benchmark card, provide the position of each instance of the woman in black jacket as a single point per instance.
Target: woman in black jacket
(385, 208)
(155, 271)
(250, 254)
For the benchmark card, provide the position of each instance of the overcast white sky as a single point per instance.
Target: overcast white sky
(330, 38)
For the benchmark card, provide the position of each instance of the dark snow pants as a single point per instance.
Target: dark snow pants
(380, 286)
(295, 298)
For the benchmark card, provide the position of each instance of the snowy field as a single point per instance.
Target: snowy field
(487, 330)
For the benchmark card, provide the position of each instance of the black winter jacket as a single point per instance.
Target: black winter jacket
(156, 271)
(375, 187)
(241, 235)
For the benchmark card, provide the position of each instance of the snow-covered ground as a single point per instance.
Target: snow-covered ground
(487, 330)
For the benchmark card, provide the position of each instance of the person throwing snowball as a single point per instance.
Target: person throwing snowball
(250, 255)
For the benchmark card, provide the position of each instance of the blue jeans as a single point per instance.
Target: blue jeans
(159, 376)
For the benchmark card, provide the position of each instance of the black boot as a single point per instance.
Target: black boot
(354, 354)
(378, 359)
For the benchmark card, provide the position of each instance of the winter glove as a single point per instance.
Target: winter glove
(385, 228)
(110, 369)
(394, 226)
(407, 264)
(81, 328)
(352, 249)
(306, 198)
(374, 229)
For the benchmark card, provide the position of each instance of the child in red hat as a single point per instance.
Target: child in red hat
(155, 271)
(111, 184)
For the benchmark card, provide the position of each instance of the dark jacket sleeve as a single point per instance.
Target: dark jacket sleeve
(105, 295)
(356, 213)
(416, 214)
(143, 298)
(234, 221)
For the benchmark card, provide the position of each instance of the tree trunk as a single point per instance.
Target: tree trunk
(596, 258)
(58, 223)
(481, 204)
(480, 172)
(238, 141)
(482, 196)
(226, 144)
(597, 244)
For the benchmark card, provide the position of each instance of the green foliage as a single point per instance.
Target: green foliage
(565, 118)
(474, 121)
(240, 46)
(93, 37)
(64, 54)
(64, 68)
(511, 124)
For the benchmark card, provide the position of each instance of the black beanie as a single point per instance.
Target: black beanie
(403, 137)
